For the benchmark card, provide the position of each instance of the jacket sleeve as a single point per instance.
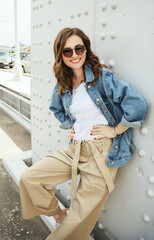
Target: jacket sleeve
(56, 106)
(134, 105)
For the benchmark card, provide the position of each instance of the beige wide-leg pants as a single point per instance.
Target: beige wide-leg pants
(87, 157)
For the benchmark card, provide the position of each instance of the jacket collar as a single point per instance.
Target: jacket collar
(88, 74)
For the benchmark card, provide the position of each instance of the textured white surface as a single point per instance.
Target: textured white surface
(122, 36)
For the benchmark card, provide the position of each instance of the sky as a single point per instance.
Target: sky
(7, 35)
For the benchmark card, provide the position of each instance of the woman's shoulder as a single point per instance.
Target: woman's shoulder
(106, 70)
(56, 88)
(106, 75)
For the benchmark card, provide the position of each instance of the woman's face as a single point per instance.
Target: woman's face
(75, 61)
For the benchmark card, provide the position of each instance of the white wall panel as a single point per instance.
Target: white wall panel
(126, 27)
(122, 35)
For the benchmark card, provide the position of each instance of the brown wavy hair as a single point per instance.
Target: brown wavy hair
(63, 73)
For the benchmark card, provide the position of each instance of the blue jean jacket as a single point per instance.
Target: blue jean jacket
(118, 101)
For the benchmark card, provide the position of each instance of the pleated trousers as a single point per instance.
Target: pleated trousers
(87, 158)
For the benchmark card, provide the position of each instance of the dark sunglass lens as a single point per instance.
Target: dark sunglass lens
(79, 49)
(67, 52)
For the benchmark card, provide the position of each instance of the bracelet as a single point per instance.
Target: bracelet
(117, 130)
(114, 134)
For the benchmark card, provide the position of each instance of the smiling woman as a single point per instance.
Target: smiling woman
(100, 138)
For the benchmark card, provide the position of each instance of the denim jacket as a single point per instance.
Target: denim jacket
(118, 101)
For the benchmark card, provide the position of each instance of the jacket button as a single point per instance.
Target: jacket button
(116, 147)
(105, 111)
(97, 99)
(113, 122)
(112, 162)
(89, 86)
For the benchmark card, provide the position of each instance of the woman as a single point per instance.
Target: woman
(100, 111)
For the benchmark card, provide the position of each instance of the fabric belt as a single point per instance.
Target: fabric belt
(98, 158)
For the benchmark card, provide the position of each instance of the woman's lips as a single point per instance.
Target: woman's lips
(75, 60)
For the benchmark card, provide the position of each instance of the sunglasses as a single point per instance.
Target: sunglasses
(79, 50)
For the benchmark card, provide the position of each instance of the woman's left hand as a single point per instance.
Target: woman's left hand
(104, 130)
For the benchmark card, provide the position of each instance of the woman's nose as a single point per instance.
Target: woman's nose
(74, 54)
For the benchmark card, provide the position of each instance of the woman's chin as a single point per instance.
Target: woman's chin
(76, 65)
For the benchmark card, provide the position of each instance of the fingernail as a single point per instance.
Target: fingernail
(90, 133)
(73, 132)
(94, 138)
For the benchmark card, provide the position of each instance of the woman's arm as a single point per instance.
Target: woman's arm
(56, 106)
(132, 103)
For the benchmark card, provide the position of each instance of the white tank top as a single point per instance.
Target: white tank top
(86, 113)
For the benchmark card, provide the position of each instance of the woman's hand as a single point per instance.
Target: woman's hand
(103, 130)
(71, 134)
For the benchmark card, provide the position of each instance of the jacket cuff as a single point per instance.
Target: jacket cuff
(66, 125)
(135, 124)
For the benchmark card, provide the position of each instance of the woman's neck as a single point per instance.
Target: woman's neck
(78, 77)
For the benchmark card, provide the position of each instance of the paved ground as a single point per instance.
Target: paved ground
(12, 226)
(13, 139)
